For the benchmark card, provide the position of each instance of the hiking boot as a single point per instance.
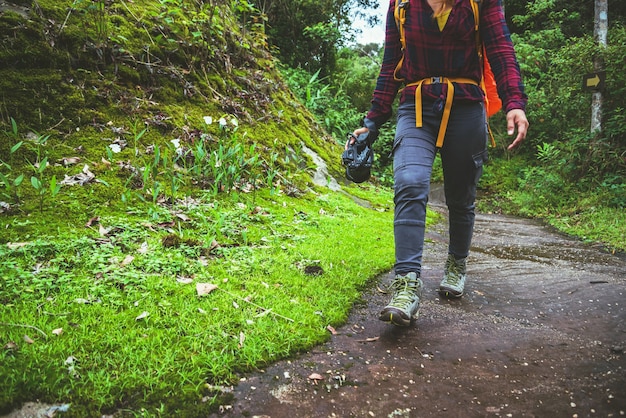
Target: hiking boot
(453, 283)
(405, 302)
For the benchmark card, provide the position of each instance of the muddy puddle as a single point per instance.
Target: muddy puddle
(541, 332)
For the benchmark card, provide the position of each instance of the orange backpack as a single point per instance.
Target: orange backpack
(493, 103)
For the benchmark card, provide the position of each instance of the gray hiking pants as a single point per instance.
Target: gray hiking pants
(463, 153)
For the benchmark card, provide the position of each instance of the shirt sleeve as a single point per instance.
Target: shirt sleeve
(501, 54)
(386, 85)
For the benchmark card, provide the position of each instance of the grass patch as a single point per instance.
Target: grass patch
(107, 317)
(593, 214)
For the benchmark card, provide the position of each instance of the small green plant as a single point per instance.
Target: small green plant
(11, 181)
(42, 185)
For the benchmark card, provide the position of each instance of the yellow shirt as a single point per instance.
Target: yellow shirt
(443, 19)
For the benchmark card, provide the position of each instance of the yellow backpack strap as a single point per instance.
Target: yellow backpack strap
(400, 14)
(481, 59)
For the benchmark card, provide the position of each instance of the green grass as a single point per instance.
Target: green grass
(593, 214)
(135, 334)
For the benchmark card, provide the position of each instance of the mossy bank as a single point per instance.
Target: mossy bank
(161, 232)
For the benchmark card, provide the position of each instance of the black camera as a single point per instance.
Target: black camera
(359, 156)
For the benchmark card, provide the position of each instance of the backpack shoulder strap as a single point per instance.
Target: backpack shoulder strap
(476, 9)
(400, 15)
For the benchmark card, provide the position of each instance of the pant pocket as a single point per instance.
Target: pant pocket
(480, 158)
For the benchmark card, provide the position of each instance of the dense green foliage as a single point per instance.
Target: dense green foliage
(308, 34)
(563, 170)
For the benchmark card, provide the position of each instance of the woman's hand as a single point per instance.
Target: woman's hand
(516, 119)
(355, 135)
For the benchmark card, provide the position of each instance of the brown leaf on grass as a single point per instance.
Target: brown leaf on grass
(92, 221)
(143, 315)
(67, 161)
(166, 225)
(242, 338)
(331, 330)
(79, 179)
(127, 260)
(10, 346)
(204, 289)
(57, 331)
(28, 340)
(182, 217)
(16, 245)
(184, 280)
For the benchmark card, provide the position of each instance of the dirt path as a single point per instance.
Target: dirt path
(541, 332)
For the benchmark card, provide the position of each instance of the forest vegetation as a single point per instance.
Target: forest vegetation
(164, 226)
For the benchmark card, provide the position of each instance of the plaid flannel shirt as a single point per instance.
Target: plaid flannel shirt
(450, 53)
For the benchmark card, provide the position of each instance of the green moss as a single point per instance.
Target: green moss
(86, 92)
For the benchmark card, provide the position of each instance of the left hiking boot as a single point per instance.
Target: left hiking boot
(453, 283)
(405, 301)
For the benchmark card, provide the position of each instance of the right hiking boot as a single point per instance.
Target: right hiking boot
(454, 277)
(405, 301)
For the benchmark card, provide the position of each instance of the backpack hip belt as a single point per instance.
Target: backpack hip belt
(449, 99)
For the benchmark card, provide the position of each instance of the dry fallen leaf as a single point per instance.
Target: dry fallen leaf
(70, 161)
(16, 245)
(92, 221)
(57, 331)
(28, 340)
(184, 280)
(183, 217)
(143, 315)
(127, 260)
(79, 179)
(11, 346)
(143, 249)
(315, 377)
(332, 330)
(204, 289)
(242, 338)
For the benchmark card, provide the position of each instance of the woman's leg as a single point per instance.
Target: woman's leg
(463, 154)
(413, 155)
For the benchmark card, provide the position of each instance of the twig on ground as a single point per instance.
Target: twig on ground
(6, 324)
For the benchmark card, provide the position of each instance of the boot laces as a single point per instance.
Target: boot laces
(455, 271)
(404, 291)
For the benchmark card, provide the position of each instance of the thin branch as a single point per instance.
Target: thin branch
(6, 324)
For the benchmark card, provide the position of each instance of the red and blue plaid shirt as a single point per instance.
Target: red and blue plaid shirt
(449, 53)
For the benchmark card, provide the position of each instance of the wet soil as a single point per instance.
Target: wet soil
(540, 332)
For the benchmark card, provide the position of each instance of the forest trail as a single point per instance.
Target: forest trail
(540, 332)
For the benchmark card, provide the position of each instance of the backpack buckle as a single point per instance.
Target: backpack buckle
(436, 80)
